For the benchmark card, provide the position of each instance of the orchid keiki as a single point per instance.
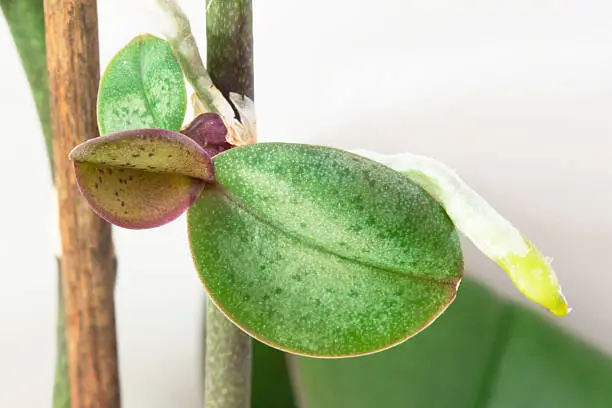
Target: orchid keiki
(310, 249)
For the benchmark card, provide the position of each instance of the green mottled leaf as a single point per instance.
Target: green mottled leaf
(141, 178)
(321, 252)
(142, 87)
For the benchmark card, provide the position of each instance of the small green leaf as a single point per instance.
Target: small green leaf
(142, 87)
(141, 178)
(320, 252)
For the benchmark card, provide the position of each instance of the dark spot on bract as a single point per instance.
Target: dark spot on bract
(278, 291)
(169, 156)
(109, 171)
(100, 180)
(151, 155)
(266, 298)
(131, 178)
(353, 293)
(303, 224)
(135, 155)
(123, 203)
(96, 185)
(296, 277)
(246, 298)
(116, 194)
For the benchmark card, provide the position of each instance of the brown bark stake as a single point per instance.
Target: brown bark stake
(87, 250)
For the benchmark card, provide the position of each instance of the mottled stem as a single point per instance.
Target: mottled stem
(230, 65)
(229, 47)
(228, 363)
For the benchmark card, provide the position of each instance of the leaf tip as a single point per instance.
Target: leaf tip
(533, 275)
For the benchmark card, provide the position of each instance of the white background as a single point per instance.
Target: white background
(516, 96)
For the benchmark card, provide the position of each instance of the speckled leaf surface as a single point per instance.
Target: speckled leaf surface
(141, 178)
(142, 87)
(320, 252)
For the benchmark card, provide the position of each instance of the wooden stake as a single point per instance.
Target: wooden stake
(87, 250)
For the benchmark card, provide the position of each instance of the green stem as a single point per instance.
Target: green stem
(230, 65)
(229, 45)
(228, 363)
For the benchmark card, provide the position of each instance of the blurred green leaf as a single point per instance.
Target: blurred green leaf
(142, 87)
(26, 21)
(322, 252)
(542, 366)
(482, 353)
(271, 387)
(61, 383)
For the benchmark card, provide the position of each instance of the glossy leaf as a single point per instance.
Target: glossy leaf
(141, 178)
(320, 252)
(142, 87)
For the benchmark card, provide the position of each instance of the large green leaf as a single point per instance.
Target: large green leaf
(482, 353)
(142, 87)
(321, 252)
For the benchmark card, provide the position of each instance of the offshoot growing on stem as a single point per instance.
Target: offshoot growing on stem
(310, 249)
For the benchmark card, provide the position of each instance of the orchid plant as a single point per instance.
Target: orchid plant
(310, 249)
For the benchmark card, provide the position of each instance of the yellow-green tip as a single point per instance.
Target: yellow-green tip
(534, 277)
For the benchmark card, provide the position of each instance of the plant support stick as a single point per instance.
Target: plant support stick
(87, 250)
(229, 32)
